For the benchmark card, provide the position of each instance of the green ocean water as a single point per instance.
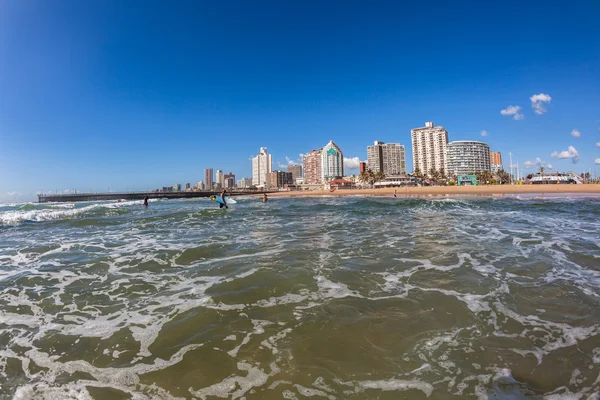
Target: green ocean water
(333, 298)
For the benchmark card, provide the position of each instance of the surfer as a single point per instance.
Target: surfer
(224, 204)
(265, 197)
(146, 201)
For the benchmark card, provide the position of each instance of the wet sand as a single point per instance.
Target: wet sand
(450, 190)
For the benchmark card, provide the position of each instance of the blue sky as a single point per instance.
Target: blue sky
(142, 94)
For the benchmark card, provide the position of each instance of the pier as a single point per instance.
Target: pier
(73, 197)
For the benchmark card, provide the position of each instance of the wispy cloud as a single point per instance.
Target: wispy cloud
(514, 111)
(529, 164)
(351, 162)
(597, 161)
(598, 145)
(537, 102)
(571, 153)
(484, 133)
(575, 133)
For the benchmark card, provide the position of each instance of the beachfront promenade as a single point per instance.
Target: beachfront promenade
(73, 197)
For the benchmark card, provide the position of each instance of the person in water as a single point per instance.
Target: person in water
(265, 197)
(146, 201)
(224, 204)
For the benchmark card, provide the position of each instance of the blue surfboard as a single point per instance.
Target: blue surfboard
(219, 200)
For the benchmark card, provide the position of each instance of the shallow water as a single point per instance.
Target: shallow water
(334, 298)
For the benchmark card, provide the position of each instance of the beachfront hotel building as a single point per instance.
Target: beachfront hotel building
(229, 180)
(279, 179)
(388, 158)
(429, 148)
(468, 157)
(495, 161)
(208, 178)
(261, 166)
(332, 162)
(296, 171)
(312, 167)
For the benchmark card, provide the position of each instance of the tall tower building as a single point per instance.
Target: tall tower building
(312, 167)
(219, 179)
(332, 162)
(388, 158)
(468, 157)
(208, 178)
(429, 148)
(261, 166)
(296, 171)
(495, 161)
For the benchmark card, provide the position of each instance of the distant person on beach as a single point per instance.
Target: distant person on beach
(146, 201)
(395, 193)
(224, 204)
(265, 197)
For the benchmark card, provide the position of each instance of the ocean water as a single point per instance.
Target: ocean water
(320, 298)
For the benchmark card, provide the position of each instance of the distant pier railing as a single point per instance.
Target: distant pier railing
(73, 197)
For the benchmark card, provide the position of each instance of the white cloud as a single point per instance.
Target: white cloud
(514, 111)
(571, 153)
(597, 161)
(598, 145)
(537, 102)
(575, 133)
(538, 162)
(352, 162)
(549, 166)
(484, 133)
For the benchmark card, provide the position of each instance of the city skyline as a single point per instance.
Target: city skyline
(100, 95)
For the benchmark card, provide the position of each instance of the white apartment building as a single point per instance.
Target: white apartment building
(332, 162)
(261, 166)
(468, 157)
(429, 148)
(312, 167)
(388, 158)
(219, 180)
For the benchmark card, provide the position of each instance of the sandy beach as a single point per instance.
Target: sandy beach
(450, 190)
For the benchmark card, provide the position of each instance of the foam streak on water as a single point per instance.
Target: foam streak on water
(329, 298)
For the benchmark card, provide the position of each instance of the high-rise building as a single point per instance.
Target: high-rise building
(388, 158)
(219, 179)
(279, 179)
(296, 171)
(312, 167)
(468, 157)
(229, 180)
(200, 185)
(261, 166)
(332, 162)
(362, 167)
(495, 161)
(429, 148)
(208, 179)
(188, 186)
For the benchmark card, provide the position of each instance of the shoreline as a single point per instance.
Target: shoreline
(489, 190)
